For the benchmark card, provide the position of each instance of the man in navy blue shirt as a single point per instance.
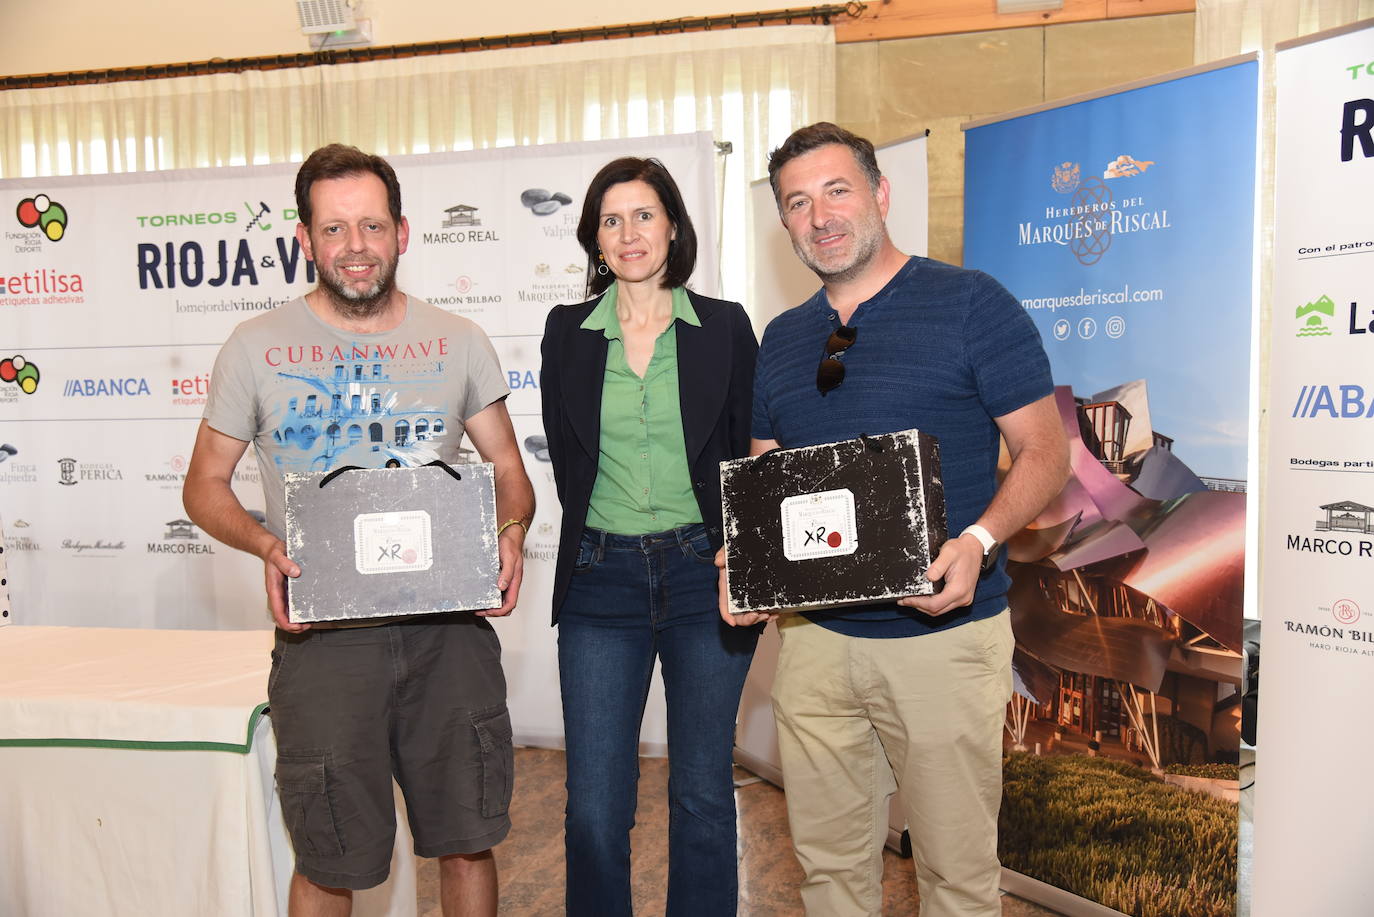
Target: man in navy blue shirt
(909, 695)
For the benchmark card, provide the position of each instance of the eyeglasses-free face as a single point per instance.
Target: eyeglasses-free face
(830, 373)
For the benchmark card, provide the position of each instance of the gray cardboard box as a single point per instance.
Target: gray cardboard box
(379, 542)
(838, 524)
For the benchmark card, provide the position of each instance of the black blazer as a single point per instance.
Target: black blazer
(715, 374)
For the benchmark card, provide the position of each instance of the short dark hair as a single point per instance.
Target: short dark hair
(682, 254)
(814, 136)
(338, 161)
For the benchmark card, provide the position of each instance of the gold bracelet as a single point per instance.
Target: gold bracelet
(507, 524)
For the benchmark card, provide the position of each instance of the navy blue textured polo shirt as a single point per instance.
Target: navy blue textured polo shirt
(939, 349)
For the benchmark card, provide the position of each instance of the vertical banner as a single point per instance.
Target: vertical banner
(1124, 224)
(1317, 514)
(116, 293)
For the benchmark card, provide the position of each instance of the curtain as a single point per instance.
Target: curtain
(1228, 27)
(749, 87)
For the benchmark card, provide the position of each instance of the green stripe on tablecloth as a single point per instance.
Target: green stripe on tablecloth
(242, 749)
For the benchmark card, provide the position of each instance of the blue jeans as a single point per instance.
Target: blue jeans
(634, 598)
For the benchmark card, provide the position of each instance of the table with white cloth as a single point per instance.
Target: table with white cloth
(136, 778)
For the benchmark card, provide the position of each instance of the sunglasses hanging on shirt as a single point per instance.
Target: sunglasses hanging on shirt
(830, 373)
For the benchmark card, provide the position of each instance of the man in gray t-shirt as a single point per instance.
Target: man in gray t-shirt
(358, 373)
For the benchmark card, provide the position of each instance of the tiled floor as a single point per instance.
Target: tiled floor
(531, 858)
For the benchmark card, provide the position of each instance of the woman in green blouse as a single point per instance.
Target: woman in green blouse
(646, 389)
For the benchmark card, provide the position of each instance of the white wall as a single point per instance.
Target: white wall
(60, 35)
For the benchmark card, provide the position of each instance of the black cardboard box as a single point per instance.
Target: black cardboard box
(380, 542)
(837, 524)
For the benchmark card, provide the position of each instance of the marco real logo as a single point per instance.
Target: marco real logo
(1341, 532)
(180, 537)
(461, 224)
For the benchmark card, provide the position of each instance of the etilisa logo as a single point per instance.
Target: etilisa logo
(44, 214)
(1333, 402)
(1313, 317)
(191, 390)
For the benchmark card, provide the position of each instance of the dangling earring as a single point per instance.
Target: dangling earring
(601, 269)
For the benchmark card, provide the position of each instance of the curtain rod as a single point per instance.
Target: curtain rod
(813, 15)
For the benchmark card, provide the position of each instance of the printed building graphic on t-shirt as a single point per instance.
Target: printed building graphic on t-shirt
(357, 412)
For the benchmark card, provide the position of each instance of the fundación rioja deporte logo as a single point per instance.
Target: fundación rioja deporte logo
(18, 371)
(44, 214)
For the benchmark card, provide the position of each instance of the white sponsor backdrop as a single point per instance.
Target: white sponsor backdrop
(119, 290)
(1317, 540)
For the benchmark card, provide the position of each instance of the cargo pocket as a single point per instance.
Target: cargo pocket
(302, 784)
(498, 758)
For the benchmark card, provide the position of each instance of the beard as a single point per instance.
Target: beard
(354, 301)
(866, 237)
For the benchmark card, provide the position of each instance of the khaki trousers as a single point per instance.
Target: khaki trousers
(861, 718)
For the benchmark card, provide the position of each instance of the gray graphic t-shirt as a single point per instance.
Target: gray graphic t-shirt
(312, 397)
